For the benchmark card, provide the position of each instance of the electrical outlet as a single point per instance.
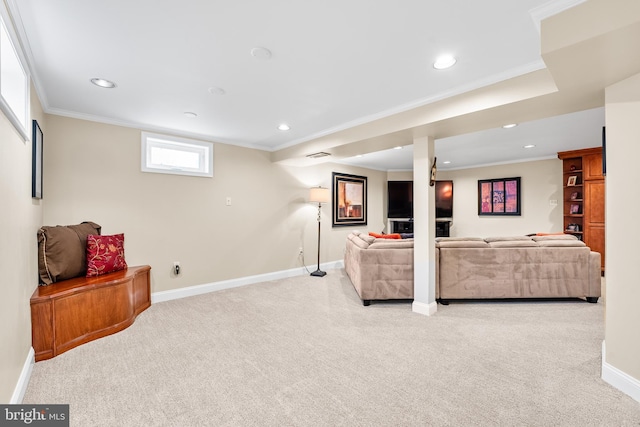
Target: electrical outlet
(300, 251)
(228, 201)
(176, 268)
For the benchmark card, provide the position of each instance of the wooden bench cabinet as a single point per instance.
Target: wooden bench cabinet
(72, 312)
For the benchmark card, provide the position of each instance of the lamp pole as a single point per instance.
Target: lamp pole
(319, 195)
(318, 272)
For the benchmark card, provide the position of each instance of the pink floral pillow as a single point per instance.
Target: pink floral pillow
(105, 254)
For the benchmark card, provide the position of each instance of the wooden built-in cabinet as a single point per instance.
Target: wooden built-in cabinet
(72, 312)
(584, 196)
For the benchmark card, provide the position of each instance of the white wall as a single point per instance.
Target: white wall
(93, 173)
(20, 218)
(541, 183)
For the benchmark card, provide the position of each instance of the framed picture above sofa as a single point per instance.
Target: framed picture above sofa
(349, 199)
(499, 196)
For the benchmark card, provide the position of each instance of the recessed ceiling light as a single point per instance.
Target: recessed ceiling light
(510, 125)
(190, 114)
(261, 53)
(358, 155)
(446, 162)
(107, 84)
(217, 91)
(284, 126)
(397, 148)
(444, 61)
(529, 146)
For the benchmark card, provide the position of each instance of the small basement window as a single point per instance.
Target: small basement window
(173, 155)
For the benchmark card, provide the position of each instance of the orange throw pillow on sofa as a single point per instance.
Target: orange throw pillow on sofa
(385, 236)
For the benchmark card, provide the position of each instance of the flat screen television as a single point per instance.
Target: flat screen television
(444, 199)
(400, 199)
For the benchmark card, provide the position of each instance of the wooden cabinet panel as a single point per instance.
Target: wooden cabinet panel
(79, 315)
(594, 202)
(592, 165)
(594, 234)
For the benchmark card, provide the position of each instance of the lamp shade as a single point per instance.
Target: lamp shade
(319, 195)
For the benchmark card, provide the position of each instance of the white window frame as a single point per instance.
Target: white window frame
(204, 150)
(19, 119)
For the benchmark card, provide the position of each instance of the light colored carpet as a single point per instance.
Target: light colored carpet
(305, 352)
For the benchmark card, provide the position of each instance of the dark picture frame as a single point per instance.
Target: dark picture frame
(37, 141)
(499, 196)
(574, 209)
(349, 199)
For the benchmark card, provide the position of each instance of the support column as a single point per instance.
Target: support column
(424, 229)
(620, 357)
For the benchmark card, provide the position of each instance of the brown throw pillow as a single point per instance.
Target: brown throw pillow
(62, 251)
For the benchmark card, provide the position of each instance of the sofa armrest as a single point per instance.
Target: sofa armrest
(437, 273)
(595, 274)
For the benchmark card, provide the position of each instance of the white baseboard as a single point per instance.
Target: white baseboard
(23, 380)
(620, 380)
(426, 309)
(172, 294)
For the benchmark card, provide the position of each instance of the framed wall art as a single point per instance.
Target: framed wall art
(574, 209)
(349, 199)
(499, 196)
(36, 162)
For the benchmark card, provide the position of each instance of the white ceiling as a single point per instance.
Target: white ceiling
(334, 64)
(497, 146)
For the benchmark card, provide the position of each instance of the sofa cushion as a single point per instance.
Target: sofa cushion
(361, 240)
(506, 238)
(462, 244)
(62, 251)
(105, 254)
(513, 244)
(391, 244)
(454, 239)
(560, 236)
(561, 243)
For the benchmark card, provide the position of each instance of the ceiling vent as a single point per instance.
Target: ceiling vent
(318, 155)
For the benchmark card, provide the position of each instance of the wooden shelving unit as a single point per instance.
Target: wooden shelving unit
(583, 196)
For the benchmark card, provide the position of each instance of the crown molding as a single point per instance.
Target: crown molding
(146, 128)
(458, 90)
(551, 8)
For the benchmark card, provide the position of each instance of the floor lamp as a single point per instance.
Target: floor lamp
(319, 195)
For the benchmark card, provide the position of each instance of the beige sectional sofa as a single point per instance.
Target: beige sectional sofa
(379, 269)
(556, 266)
